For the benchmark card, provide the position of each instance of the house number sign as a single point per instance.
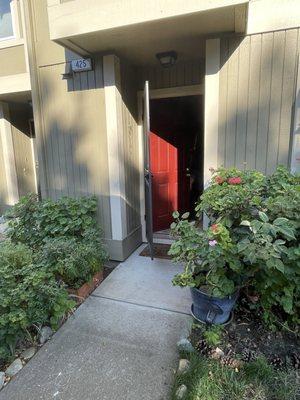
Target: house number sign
(82, 64)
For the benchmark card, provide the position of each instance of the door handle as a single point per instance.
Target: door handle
(147, 172)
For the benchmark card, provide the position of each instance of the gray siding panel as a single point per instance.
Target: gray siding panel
(232, 98)
(223, 102)
(75, 140)
(257, 83)
(181, 74)
(264, 102)
(242, 103)
(275, 99)
(289, 79)
(253, 99)
(131, 148)
(19, 118)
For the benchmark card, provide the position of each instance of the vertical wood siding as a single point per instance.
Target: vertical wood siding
(131, 147)
(257, 84)
(74, 136)
(131, 153)
(181, 74)
(23, 149)
(24, 162)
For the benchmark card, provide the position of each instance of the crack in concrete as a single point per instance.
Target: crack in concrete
(139, 304)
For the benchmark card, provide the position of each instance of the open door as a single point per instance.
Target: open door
(147, 171)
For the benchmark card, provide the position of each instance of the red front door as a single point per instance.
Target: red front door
(164, 169)
(175, 125)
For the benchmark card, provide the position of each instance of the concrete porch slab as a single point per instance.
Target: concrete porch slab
(141, 274)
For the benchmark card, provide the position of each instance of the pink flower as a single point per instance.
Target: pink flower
(214, 227)
(236, 180)
(212, 243)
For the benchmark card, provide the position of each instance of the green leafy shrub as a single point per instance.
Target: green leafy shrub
(32, 222)
(285, 205)
(280, 182)
(63, 234)
(29, 296)
(73, 261)
(271, 249)
(232, 196)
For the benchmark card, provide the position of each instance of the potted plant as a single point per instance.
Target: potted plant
(252, 243)
(212, 268)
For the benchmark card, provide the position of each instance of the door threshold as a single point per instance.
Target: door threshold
(163, 239)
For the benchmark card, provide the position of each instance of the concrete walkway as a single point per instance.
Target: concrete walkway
(119, 345)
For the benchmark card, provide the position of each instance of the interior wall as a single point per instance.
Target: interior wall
(256, 96)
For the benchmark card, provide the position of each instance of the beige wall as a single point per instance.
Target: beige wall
(12, 60)
(106, 14)
(271, 15)
(70, 121)
(257, 92)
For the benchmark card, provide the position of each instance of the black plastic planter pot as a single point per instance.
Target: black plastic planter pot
(212, 310)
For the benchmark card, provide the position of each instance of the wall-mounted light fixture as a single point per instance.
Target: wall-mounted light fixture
(167, 58)
(68, 71)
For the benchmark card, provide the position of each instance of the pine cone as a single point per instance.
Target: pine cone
(231, 362)
(276, 361)
(203, 348)
(295, 357)
(248, 355)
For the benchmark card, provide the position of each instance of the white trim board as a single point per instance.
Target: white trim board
(15, 83)
(177, 91)
(114, 129)
(211, 107)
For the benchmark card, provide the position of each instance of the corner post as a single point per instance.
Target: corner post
(114, 127)
(211, 107)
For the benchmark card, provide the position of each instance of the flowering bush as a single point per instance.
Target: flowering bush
(232, 196)
(253, 241)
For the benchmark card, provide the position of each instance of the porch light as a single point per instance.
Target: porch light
(68, 71)
(167, 59)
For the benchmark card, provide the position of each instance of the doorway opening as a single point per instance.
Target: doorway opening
(176, 157)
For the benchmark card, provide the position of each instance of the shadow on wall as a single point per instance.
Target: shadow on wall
(74, 144)
(20, 115)
(257, 94)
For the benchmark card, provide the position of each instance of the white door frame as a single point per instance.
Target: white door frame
(178, 91)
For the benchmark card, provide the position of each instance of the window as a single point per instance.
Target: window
(6, 20)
